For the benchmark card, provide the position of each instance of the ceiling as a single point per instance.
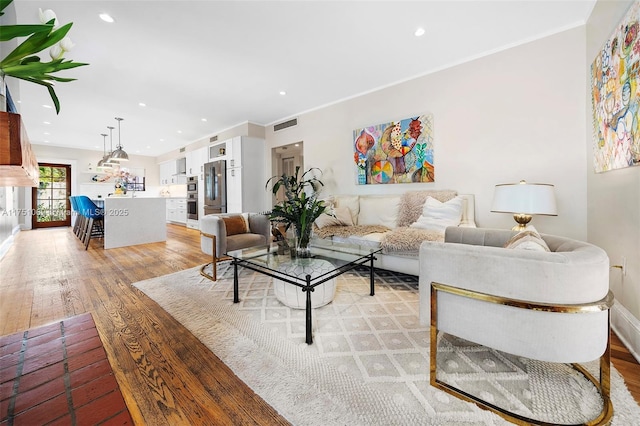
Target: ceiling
(226, 62)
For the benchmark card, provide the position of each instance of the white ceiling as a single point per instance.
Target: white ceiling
(227, 61)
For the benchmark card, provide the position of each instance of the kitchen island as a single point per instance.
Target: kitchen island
(130, 221)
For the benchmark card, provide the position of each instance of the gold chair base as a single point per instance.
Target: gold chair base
(204, 274)
(214, 259)
(603, 418)
(603, 386)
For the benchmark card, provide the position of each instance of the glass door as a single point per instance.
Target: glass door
(51, 197)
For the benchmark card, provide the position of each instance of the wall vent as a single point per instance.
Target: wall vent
(183, 149)
(213, 138)
(285, 124)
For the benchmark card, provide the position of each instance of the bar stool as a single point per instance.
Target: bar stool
(76, 211)
(93, 220)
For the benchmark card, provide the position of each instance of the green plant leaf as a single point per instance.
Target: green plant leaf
(49, 87)
(3, 5)
(36, 43)
(54, 98)
(12, 31)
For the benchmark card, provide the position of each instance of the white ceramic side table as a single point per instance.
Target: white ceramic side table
(292, 295)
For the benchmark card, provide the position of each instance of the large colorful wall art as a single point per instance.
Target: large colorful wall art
(616, 96)
(395, 152)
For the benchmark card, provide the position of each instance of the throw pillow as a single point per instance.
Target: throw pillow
(341, 217)
(437, 216)
(351, 202)
(529, 239)
(235, 225)
(379, 210)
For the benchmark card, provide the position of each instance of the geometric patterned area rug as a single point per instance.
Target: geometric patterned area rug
(369, 361)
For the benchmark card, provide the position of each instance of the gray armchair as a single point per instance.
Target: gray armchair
(217, 240)
(548, 306)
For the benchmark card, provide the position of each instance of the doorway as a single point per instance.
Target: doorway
(51, 197)
(284, 160)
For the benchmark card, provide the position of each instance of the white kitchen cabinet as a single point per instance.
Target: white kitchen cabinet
(172, 172)
(177, 210)
(196, 160)
(181, 211)
(236, 152)
(234, 190)
(219, 150)
(168, 171)
(245, 175)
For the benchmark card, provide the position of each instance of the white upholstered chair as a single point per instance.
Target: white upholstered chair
(548, 306)
(217, 239)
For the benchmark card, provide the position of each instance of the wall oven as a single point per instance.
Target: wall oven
(192, 184)
(192, 198)
(192, 208)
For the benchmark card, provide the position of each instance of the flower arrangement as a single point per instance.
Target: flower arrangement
(23, 63)
(301, 206)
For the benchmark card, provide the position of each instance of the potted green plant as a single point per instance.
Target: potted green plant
(300, 207)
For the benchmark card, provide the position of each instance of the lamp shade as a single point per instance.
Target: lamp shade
(525, 198)
(119, 155)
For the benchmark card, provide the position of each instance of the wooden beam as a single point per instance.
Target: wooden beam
(18, 164)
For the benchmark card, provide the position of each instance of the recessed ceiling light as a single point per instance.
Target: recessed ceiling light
(203, 119)
(46, 106)
(148, 146)
(46, 141)
(419, 32)
(47, 133)
(282, 92)
(179, 131)
(106, 17)
(46, 122)
(142, 104)
(161, 140)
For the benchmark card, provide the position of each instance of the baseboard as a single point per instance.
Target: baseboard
(8, 242)
(627, 327)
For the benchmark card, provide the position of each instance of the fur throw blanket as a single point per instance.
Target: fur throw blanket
(412, 202)
(347, 231)
(408, 239)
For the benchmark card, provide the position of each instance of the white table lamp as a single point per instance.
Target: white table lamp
(524, 200)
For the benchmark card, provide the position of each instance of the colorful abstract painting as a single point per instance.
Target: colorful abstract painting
(395, 152)
(616, 96)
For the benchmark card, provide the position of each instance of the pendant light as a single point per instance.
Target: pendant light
(119, 154)
(101, 167)
(110, 161)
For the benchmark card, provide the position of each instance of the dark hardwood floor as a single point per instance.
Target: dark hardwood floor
(166, 375)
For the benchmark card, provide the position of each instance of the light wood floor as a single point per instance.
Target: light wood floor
(166, 375)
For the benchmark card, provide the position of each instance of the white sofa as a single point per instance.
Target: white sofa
(384, 221)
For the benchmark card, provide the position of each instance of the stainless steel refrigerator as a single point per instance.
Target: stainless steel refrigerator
(215, 187)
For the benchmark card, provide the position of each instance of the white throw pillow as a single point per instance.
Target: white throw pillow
(341, 216)
(379, 210)
(529, 239)
(350, 202)
(436, 215)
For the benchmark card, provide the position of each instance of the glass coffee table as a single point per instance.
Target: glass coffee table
(328, 260)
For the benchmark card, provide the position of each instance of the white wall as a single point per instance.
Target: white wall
(517, 114)
(614, 197)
